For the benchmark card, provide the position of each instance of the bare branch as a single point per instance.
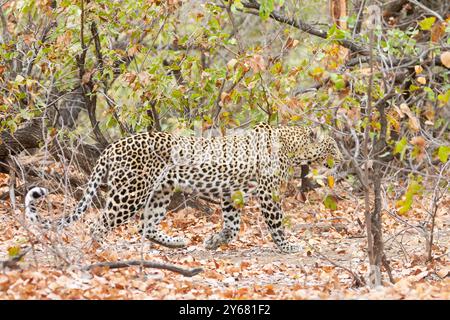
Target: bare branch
(359, 281)
(306, 27)
(146, 264)
(425, 8)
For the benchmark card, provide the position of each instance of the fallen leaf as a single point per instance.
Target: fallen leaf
(4, 282)
(444, 272)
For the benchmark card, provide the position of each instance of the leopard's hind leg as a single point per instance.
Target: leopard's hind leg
(154, 212)
(120, 207)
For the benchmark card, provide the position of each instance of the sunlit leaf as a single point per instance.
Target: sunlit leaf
(427, 23)
(400, 147)
(330, 202)
(13, 251)
(443, 153)
(331, 181)
(238, 199)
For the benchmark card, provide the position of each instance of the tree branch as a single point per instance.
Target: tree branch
(305, 27)
(146, 264)
(359, 281)
(87, 86)
(426, 9)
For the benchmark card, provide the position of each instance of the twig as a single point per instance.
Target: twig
(146, 264)
(39, 46)
(368, 115)
(109, 100)
(233, 25)
(425, 8)
(305, 27)
(359, 281)
(90, 96)
(269, 109)
(386, 266)
(219, 96)
(12, 182)
(5, 32)
(434, 209)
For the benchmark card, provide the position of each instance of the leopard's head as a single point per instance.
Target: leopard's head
(330, 153)
(313, 148)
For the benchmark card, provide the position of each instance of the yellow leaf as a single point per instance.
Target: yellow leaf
(331, 181)
(418, 69)
(445, 59)
(13, 251)
(421, 80)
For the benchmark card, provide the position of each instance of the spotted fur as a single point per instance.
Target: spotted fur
(143, 171)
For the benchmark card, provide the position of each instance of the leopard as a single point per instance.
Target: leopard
(144, 171)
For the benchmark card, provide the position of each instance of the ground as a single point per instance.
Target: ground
(249, 268)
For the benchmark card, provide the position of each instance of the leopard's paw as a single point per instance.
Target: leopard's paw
(214, 241)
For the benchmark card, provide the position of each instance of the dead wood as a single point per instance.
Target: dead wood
(145, 264)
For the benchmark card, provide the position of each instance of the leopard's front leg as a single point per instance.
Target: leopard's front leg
(273, 214)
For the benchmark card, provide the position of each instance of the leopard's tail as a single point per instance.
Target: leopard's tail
(99, 172)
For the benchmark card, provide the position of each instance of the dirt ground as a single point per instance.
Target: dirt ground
(334, 247)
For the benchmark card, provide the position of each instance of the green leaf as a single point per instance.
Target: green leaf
(237, 4)
(405, 205)
(330, 162)
(265, 8)
(445, 97)
(111, 122)
(400, 147)
(330, 202)
(443, 153)
(339, 84)
(276, 196)
(335, 33)
(414, 188)
(214, 24)
(238, 199)
(430, 93)
(427, 23)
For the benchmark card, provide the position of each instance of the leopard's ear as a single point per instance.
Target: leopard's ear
(320, 135)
